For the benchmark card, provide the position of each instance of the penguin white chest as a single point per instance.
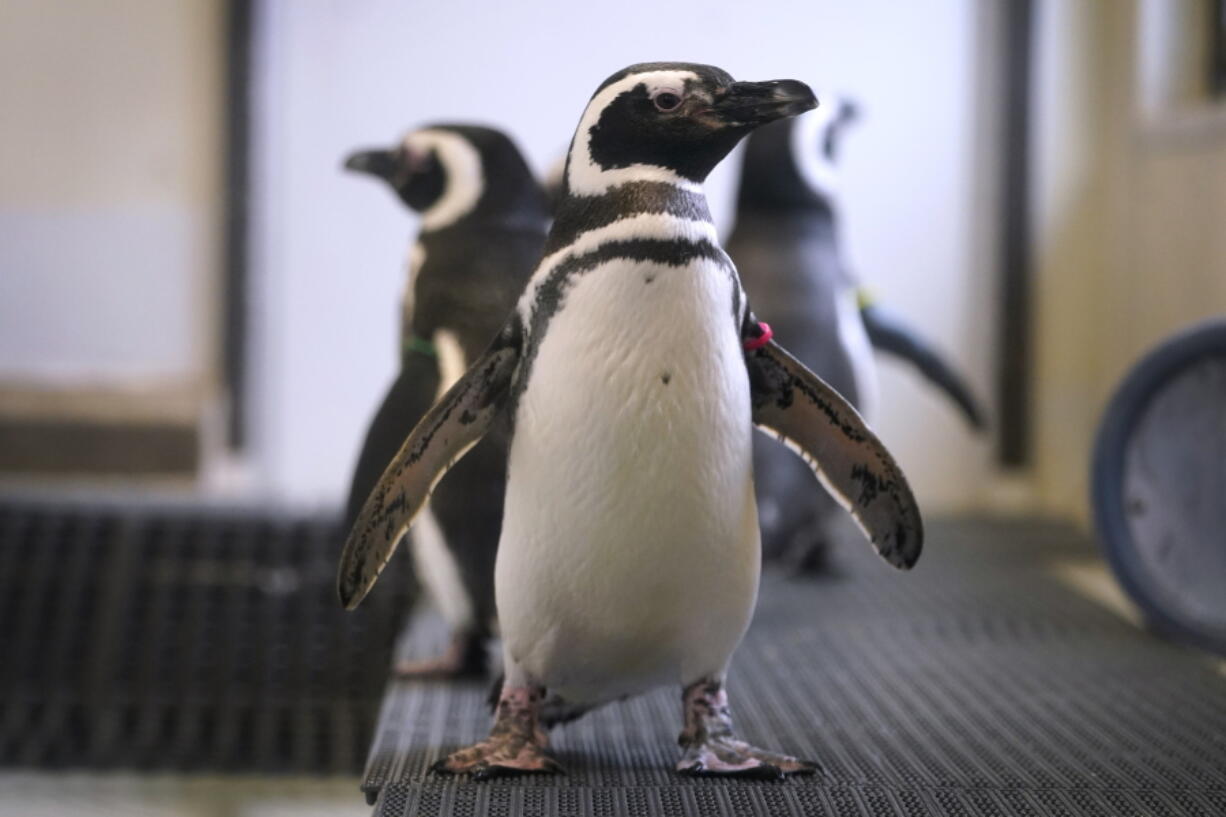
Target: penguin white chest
(629, 555)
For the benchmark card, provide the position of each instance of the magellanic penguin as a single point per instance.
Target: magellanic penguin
(483, 224)
(786, 245)
(635, 373)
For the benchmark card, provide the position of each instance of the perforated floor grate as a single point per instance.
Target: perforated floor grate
(979, 684)
(185, 640)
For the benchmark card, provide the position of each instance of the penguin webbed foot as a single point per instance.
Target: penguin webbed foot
(710, 749)
(811, 550)
(464, 658)
(807, 554)
(495, 758)
(517, 744)
(728, 757)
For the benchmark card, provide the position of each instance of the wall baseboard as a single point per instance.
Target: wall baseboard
(124, 431)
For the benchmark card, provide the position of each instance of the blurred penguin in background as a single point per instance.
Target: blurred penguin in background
(483, 219)
(786, 245)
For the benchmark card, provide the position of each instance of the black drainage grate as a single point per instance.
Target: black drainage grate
(185, 640)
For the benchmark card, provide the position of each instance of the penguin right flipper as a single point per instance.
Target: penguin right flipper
(809, 416)
(457, 422)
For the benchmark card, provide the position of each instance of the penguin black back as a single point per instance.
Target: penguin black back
(786, 244)
(483, 221)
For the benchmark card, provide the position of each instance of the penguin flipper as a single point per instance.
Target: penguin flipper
(889, 333)
(812, 419)
(455, 424)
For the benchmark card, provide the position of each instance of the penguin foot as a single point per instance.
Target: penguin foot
(517, 744)
(496, 758)
(811, 559)
(809, 548)
(728, 757)
(465, 657)
(711, 749)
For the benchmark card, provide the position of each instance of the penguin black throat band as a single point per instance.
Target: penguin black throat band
(551, 292)
(584, 213)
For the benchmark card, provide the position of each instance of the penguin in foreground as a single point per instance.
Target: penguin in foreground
(635, 372)
(483, 224)
(786, 245)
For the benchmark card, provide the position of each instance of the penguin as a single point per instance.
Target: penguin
(634, 372)
(786, 244)
(483, 225)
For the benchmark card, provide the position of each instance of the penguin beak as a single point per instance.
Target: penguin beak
(381, 163)
(750, 104)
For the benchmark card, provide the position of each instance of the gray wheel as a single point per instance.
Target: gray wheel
(1159, 485)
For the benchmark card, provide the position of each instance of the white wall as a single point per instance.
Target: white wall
(109, 182)
(329, 247)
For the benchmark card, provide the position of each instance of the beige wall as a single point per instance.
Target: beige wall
(1130, 205)
(110, 174)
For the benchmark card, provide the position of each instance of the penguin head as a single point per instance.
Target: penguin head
(791, 164)
(449, 172)
(413, 168)
(671, 122)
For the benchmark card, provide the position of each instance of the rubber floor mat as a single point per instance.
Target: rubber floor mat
(978, 684)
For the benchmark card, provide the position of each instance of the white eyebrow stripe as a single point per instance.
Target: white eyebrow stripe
(465, 177)
(586, 177)
(808, 152)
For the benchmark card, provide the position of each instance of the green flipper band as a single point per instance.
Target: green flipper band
(420, 345)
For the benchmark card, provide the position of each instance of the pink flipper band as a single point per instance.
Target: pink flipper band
(753, 344)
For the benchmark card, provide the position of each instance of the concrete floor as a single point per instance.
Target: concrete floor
(44, 794)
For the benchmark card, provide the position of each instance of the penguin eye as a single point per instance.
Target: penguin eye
(415, 160)
(667, 100)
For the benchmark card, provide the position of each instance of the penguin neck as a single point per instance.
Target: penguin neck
(581, 214)
(516, 201)
(515, 209)
(783, 194)
(793, 218)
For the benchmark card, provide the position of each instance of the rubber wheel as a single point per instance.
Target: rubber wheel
(1158, 485)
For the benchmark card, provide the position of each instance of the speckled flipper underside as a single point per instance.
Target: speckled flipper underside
(811, 418)
(456, 422)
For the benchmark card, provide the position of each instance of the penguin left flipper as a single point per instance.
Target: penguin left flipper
(456, 423)
(812, 419)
